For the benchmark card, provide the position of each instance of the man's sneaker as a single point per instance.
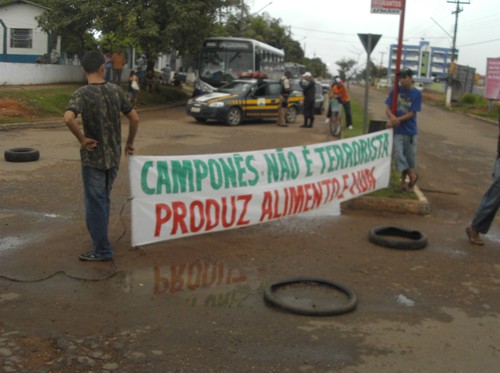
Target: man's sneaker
(93, 257)
(350, 127)
(473, 236)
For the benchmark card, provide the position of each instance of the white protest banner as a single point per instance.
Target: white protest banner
(179, 196)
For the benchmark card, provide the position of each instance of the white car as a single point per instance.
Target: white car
(383, 83)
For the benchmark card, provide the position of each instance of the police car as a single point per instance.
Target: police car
(247, 98)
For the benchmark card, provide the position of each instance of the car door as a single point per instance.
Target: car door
(264, 101)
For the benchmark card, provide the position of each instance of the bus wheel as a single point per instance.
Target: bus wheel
(291, 114)
(233, 117)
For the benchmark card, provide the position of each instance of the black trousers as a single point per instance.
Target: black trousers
(308, 109)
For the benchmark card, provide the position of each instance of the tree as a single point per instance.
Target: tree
(345, 68)
(152, 26)
(316, 67)
(76, 27)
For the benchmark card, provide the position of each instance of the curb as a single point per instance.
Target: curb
(419, 206)
(59, 122)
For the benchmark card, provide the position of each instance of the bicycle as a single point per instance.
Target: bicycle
(335, 118)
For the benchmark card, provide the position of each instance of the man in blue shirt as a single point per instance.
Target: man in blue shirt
(404, 122)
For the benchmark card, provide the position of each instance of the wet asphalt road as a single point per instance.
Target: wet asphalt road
(196, 305)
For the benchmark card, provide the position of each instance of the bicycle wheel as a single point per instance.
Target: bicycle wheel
(335, 128)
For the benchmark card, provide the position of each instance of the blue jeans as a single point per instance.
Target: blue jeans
(97, 190)
(489, 204)
(405, 152)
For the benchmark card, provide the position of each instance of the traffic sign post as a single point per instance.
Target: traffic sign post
(369, 42)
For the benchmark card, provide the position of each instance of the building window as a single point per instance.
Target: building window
(21, 38)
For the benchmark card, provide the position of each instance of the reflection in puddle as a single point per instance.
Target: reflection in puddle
(7, 243)
(202, 283)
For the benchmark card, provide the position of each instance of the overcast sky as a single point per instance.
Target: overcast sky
(329, 29)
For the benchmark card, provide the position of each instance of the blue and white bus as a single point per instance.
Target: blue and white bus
(223, 59)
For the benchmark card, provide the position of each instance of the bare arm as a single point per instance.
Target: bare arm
(70, 121)
(133, 122)
(395, 121)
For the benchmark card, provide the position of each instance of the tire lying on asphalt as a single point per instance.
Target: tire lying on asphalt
(410, 239)
(271, 298)
(21, 155)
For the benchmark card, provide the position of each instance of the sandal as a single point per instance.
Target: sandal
(473, 236)
(412, 183)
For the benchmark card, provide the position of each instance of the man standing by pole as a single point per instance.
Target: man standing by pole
(404, 122)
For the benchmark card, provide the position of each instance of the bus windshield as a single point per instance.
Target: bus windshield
(223, 59)
(221, 64)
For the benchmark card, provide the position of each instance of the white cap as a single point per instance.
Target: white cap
(307, 75)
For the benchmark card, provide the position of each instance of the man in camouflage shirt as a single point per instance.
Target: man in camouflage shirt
(99, 103)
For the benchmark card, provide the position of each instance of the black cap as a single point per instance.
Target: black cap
(405, 72)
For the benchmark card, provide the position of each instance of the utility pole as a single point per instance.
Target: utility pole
(381, 59)
(453, 48)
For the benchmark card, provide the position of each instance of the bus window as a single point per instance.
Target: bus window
(222, 59)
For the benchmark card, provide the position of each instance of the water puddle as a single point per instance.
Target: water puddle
(9, 243)
(199, 283)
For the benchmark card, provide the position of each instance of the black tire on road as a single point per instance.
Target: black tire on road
(21, 155)
(413, 240)
(272, 299)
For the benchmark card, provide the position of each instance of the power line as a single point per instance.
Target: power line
(479, 43)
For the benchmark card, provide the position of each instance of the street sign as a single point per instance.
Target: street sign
(386, 6)
(369, 41)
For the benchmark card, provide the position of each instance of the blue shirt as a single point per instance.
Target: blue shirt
(409, 100)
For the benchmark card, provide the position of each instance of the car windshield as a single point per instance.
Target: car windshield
(237, 87)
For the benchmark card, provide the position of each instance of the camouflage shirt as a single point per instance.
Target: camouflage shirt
(100, 106)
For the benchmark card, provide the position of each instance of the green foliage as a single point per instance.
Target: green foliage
(470, 99)
(41, 102)
(51, 102)
(158, 26)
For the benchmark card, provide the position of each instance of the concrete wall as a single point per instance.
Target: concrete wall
(29, 73)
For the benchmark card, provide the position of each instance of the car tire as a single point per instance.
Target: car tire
(201, 120)
(21, 155)
(291, 114)
(271, 298)
(413, 240)
(233, 116)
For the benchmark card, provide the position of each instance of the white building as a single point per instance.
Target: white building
(21, 40)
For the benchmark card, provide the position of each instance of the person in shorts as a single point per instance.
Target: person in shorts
(404, 123)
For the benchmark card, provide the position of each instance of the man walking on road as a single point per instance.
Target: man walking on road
(489, 204)
(100, 104)
(404, 122)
